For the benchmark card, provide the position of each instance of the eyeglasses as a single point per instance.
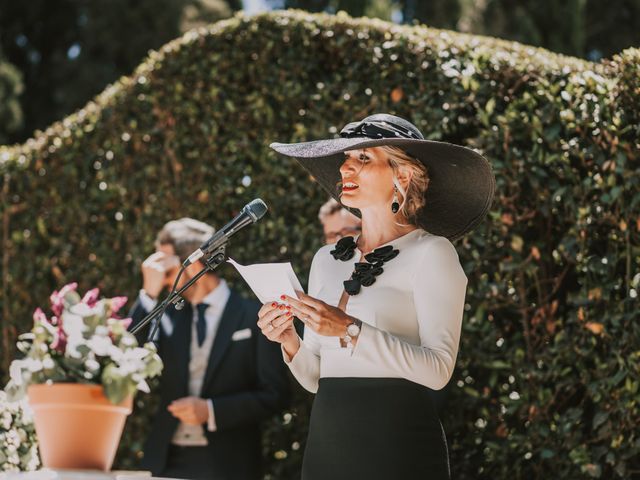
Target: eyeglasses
(377, 130)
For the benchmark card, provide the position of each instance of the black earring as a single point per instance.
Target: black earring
(395, 205)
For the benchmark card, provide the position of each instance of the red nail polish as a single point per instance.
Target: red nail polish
(289, 314)
(281, 307)
(282, 297)
(274, 304)
(288, 307)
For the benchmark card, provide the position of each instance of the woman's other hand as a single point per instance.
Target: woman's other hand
(320, 317)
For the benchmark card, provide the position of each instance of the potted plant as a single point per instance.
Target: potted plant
(80, 370)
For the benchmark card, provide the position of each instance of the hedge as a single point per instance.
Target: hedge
(546, 384)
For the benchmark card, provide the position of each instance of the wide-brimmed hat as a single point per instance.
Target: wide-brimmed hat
(461, 184)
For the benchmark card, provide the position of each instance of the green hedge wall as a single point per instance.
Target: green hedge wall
(547, 379)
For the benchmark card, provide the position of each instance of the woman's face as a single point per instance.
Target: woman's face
(367, 178)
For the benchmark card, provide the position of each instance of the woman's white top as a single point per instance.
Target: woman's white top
(411, 316)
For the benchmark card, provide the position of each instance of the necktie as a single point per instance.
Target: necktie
(201, 326)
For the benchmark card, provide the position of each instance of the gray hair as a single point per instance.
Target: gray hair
(330, 207)
(185, 235)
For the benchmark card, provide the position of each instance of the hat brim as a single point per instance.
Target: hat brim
(461, 185)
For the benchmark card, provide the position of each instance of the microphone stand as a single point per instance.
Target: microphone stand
(216, 258)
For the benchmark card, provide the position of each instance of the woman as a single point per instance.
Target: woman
(384, 309)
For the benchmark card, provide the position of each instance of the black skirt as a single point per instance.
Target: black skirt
(374, 428)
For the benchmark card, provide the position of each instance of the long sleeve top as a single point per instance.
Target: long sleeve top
(411, 316)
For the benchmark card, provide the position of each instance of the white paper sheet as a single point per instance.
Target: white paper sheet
(269, 280)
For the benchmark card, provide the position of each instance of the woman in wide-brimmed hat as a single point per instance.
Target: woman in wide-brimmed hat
(384, 310)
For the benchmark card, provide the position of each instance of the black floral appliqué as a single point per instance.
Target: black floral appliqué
(344, 249)
(365, 273)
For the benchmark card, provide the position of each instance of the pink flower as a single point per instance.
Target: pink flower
(60, 341)
(57, 305)
(69, 287)
(39, 316)
(126, 322)
(57, 297)
(116, 304)
(91, 297)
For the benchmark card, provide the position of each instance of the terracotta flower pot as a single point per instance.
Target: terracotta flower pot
(77, 426)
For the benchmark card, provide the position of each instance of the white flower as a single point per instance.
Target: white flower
(128, 341)
(73, 325)
(84, 310)
(137, 353)
(92, 364)
(33, 364)
(102, 330)
(15, 372)
(73, 342)
(143, 386)
(12, 438)
(115, 353)
(48, 363)
(100, 345)
(34, 460)
(132, 361)
(47, 326)
(5, 422)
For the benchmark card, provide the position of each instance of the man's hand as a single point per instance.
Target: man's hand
(190, 410)
(154, 272)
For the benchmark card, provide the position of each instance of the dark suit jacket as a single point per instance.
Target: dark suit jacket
(246, 379)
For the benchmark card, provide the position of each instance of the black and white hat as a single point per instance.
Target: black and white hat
(461, 184)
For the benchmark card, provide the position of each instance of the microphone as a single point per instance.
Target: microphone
(251, 213)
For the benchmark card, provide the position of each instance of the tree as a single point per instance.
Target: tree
(585, 28)
(69, 50)
(10, 89)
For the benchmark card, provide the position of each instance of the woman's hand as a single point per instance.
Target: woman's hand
(276, 323)
(320, 317)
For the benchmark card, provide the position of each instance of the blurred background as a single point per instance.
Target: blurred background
(56, 55)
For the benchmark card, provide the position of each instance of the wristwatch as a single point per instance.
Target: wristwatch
(353, 330)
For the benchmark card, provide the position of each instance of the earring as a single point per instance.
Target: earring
(395, 204)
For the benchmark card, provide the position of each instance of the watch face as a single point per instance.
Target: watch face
(353, 330)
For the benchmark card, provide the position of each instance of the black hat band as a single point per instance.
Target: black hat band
(377, 130)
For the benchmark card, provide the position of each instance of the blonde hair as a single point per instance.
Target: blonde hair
(414, 195)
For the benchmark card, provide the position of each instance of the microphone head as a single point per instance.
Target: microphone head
(256, 209)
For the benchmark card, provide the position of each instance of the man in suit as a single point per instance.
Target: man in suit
(221, 378)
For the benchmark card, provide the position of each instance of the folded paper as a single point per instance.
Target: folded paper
(269, 280)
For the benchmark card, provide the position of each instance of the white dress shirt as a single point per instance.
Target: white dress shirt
(193, 435)
(411, 316)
